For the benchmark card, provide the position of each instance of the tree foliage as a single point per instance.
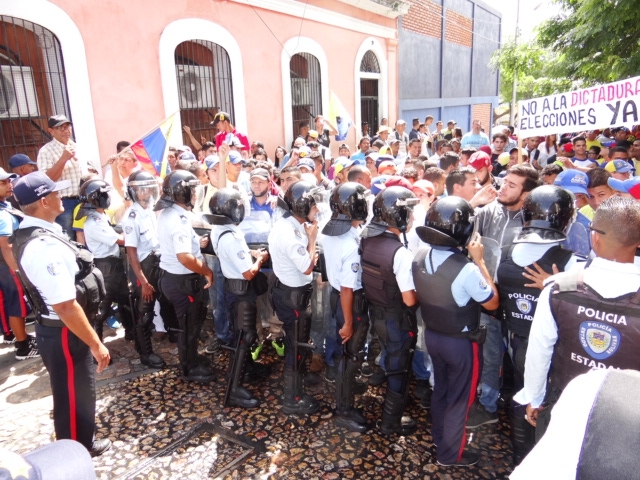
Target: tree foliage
(534, 67)
(596, 41)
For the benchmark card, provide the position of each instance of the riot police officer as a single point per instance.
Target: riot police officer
(348, 304)
(388, 286)
(292, 246)
(227, 211)
(586, 318)
(185, 276)
(65, 289)
(451, 289)
(140, 230)
(103, 241)
(547, 214)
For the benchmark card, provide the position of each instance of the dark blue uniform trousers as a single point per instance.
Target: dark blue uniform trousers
(72, 375)
(456, 366)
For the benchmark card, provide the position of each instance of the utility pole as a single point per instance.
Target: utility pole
(514, 101)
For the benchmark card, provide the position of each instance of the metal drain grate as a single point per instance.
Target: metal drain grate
(206, 451)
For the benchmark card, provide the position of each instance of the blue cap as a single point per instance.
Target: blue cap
(187, 156)
(235, 157)
(307, 163)
(630, 186)
(20, 159)
(618, 166)
(377, 184)
(573, 180)
(211, 161)
(34, 186)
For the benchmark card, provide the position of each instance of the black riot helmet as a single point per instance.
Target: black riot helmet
(547, 214)
(392, 207)
(178, 187)
(348, 202)
(142, 187)
(226, 207)
(300, 198)
(93, 194)
(449, 223)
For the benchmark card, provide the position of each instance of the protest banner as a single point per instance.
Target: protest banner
(604, 106)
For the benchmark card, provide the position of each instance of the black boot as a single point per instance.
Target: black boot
(523, 434)
(347, 417)
(295, 400)
(240, 396)
(145, 348)
(192, 368)
(392, 419)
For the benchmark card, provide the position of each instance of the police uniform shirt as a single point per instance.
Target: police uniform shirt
(402, 261)
(232, 250)
(469, 284)
(343, 260)
(140, 229)
(288, 250)
(8, 222)
(100, 237)
(50, 265)
(525, 254)
(609, 279)
(176, 236)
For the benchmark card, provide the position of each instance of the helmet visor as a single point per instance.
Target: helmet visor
(145, 191)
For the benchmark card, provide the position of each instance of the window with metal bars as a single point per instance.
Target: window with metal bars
(369, 63)
(33, 86)
(205, 86)
(306, 89)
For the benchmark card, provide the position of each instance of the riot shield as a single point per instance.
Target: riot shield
(578, 240)
(492, 253)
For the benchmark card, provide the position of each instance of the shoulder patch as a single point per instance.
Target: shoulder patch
(298, 233)
(302, 250)
(132, 214)
(183, 219)
(128, 229)
(53, 268)
(355, 267)
(483, 283)
(241, 255)
(183, 239)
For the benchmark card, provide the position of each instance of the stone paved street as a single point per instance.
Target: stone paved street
(162, 427)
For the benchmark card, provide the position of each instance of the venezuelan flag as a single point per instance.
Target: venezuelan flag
(151, 150)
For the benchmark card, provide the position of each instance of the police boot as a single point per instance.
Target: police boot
(522, 433)
(347, 416)
(145, 348)
(193, 369)
(295, 400)
(240, 396)
(392, 419)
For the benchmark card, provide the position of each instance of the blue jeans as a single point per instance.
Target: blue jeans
(221, 320)
(492, 353)
(65, 219)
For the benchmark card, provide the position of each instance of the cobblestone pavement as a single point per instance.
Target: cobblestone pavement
(163, 427)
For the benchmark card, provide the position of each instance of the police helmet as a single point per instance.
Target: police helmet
(142, 187)
(226, 207)
(449, 223)
(547, 214)
(93, 194)
(392, 207)
(348, 202)
(300, 198)
(178, 187)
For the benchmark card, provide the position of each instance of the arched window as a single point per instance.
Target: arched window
(306, 89)
(205, 87)
(369, 83)
(32, 86)
(370, 63)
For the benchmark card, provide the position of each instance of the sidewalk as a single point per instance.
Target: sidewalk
(163, 427)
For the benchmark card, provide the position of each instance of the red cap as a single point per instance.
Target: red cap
(486, 149)
(480, 160)
(397, 181)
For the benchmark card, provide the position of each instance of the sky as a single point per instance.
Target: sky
(532, 13)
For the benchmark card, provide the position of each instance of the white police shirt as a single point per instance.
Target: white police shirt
(140, 229)
(469, 284)
(100, 236)
(176, 236)
(607, 278)
(232, 251)
(525, 254)
(288, 250)
(402, 261)
(343, 260)
(50, 265)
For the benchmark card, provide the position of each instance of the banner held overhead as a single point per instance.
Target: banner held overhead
(612, 105)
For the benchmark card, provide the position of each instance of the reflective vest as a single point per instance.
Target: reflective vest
(517, 301)
(593, 332)
(440, 311)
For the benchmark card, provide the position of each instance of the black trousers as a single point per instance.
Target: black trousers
(72, 375)
(115, 282)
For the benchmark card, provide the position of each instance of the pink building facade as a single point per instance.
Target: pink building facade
(118, 68)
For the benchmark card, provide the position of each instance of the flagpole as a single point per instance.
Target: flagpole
(157, 125)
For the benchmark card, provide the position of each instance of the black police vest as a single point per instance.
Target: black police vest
(378, 280)
(517, 301)
(440, 311)
(90, 289)
(593, 332)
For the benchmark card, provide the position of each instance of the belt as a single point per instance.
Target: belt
(71, 197)
(360, 291)
(279, 284)
(45, 322)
